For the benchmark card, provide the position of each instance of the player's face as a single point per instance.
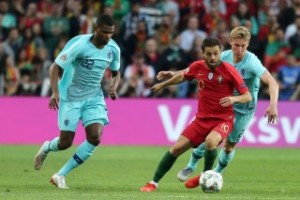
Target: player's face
(239, 47)
(103, 34)
(212, 56)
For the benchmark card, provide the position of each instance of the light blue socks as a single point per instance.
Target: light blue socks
(223, 160)
(52, 145)
(83, 152)
(197, 154)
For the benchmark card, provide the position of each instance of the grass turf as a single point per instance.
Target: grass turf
(118, 173)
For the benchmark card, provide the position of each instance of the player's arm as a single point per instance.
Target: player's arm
(243, 98)
(240, 86)
(164, 75)
(54, 76)
(115, 79)
(177, 78)
(271, 112)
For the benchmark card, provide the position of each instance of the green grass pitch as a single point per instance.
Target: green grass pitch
(118, 173)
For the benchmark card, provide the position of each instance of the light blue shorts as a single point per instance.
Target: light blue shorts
(89, 112)
(241, 122)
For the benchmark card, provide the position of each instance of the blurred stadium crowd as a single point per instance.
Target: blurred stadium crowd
(153, 35)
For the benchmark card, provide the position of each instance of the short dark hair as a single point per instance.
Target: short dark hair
(210, 42)
(104, 20)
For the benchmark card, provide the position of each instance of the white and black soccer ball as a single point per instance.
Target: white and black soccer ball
(211, 181)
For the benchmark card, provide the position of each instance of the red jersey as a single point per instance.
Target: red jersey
(214, 85)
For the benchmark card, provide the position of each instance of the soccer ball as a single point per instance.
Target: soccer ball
(211, 181)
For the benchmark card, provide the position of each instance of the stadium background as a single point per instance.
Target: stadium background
(142, 124)
(153, 36)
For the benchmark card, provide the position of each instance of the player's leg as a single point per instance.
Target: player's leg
(94, 117)
(189, 138)
(68, 118)
(166, 163)
(84, 150)
(212, 141)
(196, 155)
(228, 151)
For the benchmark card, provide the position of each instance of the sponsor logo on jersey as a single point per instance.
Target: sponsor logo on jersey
(210, 75)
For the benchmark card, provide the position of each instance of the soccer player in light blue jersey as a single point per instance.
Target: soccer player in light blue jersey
(253, 72)
(78, 95)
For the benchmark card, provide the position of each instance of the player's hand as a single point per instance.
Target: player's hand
(113, 94)
(54, 101)
(156, 87)
(226, 101)
(164, 75)
(272, 114)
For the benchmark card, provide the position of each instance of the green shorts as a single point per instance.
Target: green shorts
(241, 122)
(89, 112)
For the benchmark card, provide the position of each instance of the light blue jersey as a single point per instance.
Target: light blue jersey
(251, 69)
(84, 65)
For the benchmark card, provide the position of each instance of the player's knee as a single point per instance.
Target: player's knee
(228, 150)
(211, 143)
(94, 140)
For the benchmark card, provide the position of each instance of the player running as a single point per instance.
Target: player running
(214, 119)
(253, 72)
(78, 94)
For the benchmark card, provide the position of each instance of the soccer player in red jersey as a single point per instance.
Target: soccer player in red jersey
(214, 119)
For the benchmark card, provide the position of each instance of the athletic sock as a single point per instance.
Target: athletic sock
(53, 145)
(210, 156)
(197, 154)
(83, 152)
(223, 160)
(164, 166)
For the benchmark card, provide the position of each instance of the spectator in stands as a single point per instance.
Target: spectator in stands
(131, 20)
(190, 33)
(151, 53)
(243, 13)
(13, 43)
(9, 20)
(294, 40)
(55, 26)
(119, 7)
(173, 57)
(139, 77)
(276, 52)
(289, 79)
(87, 21)
(136, 41)
(292, 28)
(12, 77)
(3, 57)
(164, 32)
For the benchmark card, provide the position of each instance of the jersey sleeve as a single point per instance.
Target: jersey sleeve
(69, 53)
(237, 79)
(189, 73)
(115, 64)
(256, 66)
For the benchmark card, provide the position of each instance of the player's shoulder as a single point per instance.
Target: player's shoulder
(226, 53)
(251, 57)
(84, 37)
(112, 44)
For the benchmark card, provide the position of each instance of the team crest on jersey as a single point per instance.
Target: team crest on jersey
(242, 72)
(220, 79)
(66, 122)
(210, 75)
(63, 57)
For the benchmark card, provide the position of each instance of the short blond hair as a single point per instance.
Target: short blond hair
(240, 32)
